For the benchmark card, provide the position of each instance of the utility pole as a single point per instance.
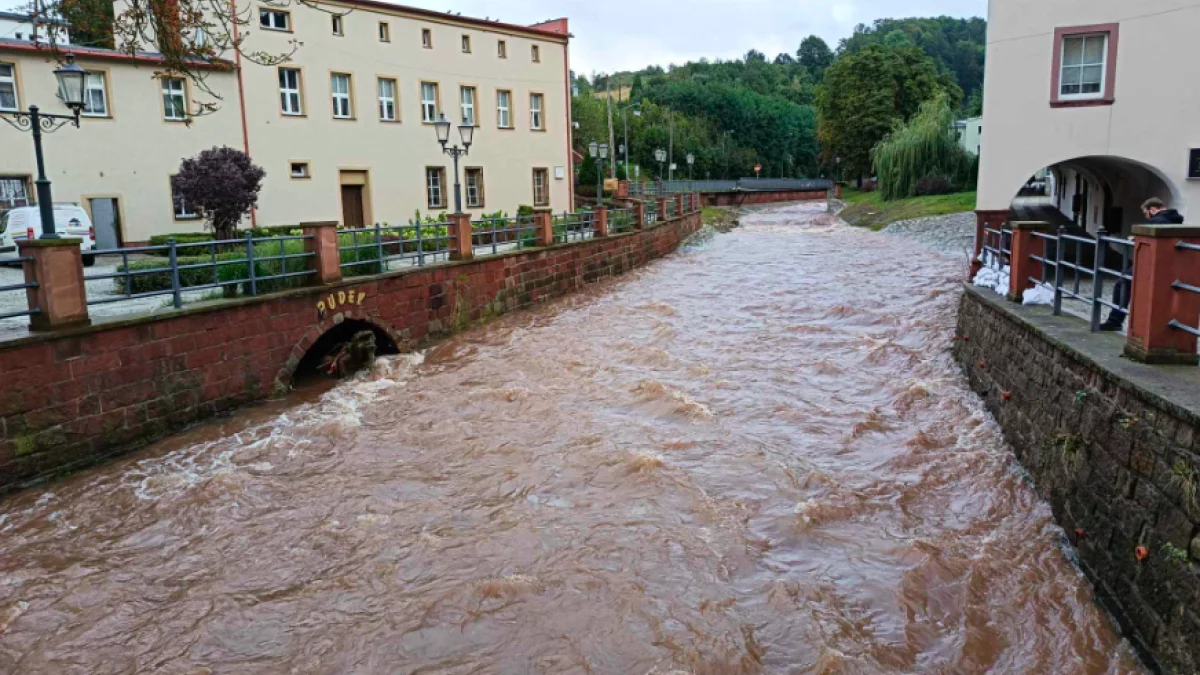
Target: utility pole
(671, 146)
(612, 140)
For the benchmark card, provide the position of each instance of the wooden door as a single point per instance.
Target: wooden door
(352, 206)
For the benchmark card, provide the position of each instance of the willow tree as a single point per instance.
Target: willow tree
(923, 149)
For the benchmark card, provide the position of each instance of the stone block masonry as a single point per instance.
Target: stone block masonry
(1113, 446)
(750, 198)
(70, 398)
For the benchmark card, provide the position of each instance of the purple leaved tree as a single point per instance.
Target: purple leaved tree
(221, 184)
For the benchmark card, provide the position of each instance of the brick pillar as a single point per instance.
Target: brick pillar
(622, 189)
(662, 209)
(461, 244)
(56, 266)
(600, 221)
(679, 202)
(1024, 245)
(543, 223)
(985, 219)
(327, 259)
(639, 215)
(1157, 264)
(837, 191)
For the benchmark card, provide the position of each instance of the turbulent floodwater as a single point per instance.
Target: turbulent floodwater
(754, 456)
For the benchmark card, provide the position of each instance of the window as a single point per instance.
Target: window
(535, 112)
(435, 179)
(8, 86)
(300, 170)
(289, 92)
(467, 101)
(541, 187)
(95, 96)
(174, 99)
(504, 109)
(535, 52)
(429, 102)
(466, 44)
(474, 188)
(183, 210)
(502, 49)
(426, 38)
(385, 33)
(1083, 63)
(337, 24)
(387, 99)
(14, 192)
(273, 19)
(340, 85)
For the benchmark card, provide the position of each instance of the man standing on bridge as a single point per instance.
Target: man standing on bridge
(1156, 213)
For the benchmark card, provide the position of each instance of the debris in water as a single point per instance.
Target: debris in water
(350, 357)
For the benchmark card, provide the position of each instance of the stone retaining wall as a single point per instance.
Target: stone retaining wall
(73, 397)
(748, 198)
(1113, 446)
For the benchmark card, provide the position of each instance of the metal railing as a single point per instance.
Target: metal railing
(672, 209)
(1185, 288)
(1086, 260)
(997, 246)
(501, 235)
(623, 220)
(249, 262)
(569, 227)
(17, 288)
(650, 209)
(639, 189)
(374, 250)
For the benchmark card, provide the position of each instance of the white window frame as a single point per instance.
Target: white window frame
(535, 53)
(291, 94)
(387, 103)
(502, 49)
(476, 201)
(305, 172)
(385, 32)
(343, 105)
(435, 185)
(537, 116)
(169, 91)
(272, 16)
(427, 38)
(180, 207)
(504, 109)
(339, 25)
(1103, 64)
(467, 108)
(89, 85)
(544, 187)
(429, 106)
(466, 44)
(11, 81)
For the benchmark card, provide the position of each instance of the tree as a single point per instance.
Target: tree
(815, 55)
(866, 94)
(222, 184)
(924, 155)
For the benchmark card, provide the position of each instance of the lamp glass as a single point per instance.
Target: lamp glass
(442, 126)
(593, 149)
(467, 133)
(691, 158)
(70, 83)
(604, 151)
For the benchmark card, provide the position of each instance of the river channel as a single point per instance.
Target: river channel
(756, 455)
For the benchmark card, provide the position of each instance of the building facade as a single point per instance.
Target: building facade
(969, 133)
(344, 128)
(1083, 89)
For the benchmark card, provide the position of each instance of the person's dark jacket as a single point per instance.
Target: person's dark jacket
(1167, 217)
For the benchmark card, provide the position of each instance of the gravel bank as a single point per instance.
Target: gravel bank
(952, 234)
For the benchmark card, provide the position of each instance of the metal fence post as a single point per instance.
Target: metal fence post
(420, 246)
(1098, 279)
(379, 248)
(176, 295)
(1058, 271)
(250, 262)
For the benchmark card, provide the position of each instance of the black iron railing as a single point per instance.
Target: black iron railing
(15, 295)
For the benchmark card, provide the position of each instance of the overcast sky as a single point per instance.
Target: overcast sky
(612, 35)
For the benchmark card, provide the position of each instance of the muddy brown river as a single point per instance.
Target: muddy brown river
(754, 456)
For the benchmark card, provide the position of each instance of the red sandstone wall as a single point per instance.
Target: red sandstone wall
(71, 399)
(747, 198)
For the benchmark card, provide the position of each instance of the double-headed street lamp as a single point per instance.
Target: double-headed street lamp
(70, 89)
(599, 152)
(467, 133)
(660, 155)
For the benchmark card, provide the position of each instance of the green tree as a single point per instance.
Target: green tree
(924, 150)
(815, 56)
(866, 94)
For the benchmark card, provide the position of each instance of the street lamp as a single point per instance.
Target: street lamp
(70, 89)
(625, 147)
(466, 133)
(691, 159)
(599, 152)
(661, 156)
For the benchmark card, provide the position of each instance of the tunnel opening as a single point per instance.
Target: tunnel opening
(309, 370)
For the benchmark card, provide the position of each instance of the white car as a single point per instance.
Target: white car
(70, 220)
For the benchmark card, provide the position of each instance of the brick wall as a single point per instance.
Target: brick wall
(72, 398)
(1118, 461)
(748, 198)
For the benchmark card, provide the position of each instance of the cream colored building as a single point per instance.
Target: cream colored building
(343, 128)
(1099, 92)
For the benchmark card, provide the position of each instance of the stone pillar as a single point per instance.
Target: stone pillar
(639, 215)
(1157, 264)
(1024, 245)
(600, 221)
(662, 209)
(543, 224)
(837, 191)
(327, 259)
(622, 189)
(680, 200)
(56, 266)
(985, 219)
(462, 243)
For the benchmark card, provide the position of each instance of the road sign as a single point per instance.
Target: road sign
(757, 169)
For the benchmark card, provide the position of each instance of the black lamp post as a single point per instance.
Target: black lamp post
(691, 159)
(599, 152)
(467, 133)
(70, 89)
(661, 156)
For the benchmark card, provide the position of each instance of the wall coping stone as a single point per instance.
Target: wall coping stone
(1036, 226)
(1175, 389)
(1166, 231)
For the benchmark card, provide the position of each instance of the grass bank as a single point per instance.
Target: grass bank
(867, 209)
(721, 219)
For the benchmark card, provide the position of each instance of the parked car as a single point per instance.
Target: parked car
(70, 220)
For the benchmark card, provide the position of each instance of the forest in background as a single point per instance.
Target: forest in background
(817, 112)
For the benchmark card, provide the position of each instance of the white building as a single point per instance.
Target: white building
(23, 28)
(969, 133)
